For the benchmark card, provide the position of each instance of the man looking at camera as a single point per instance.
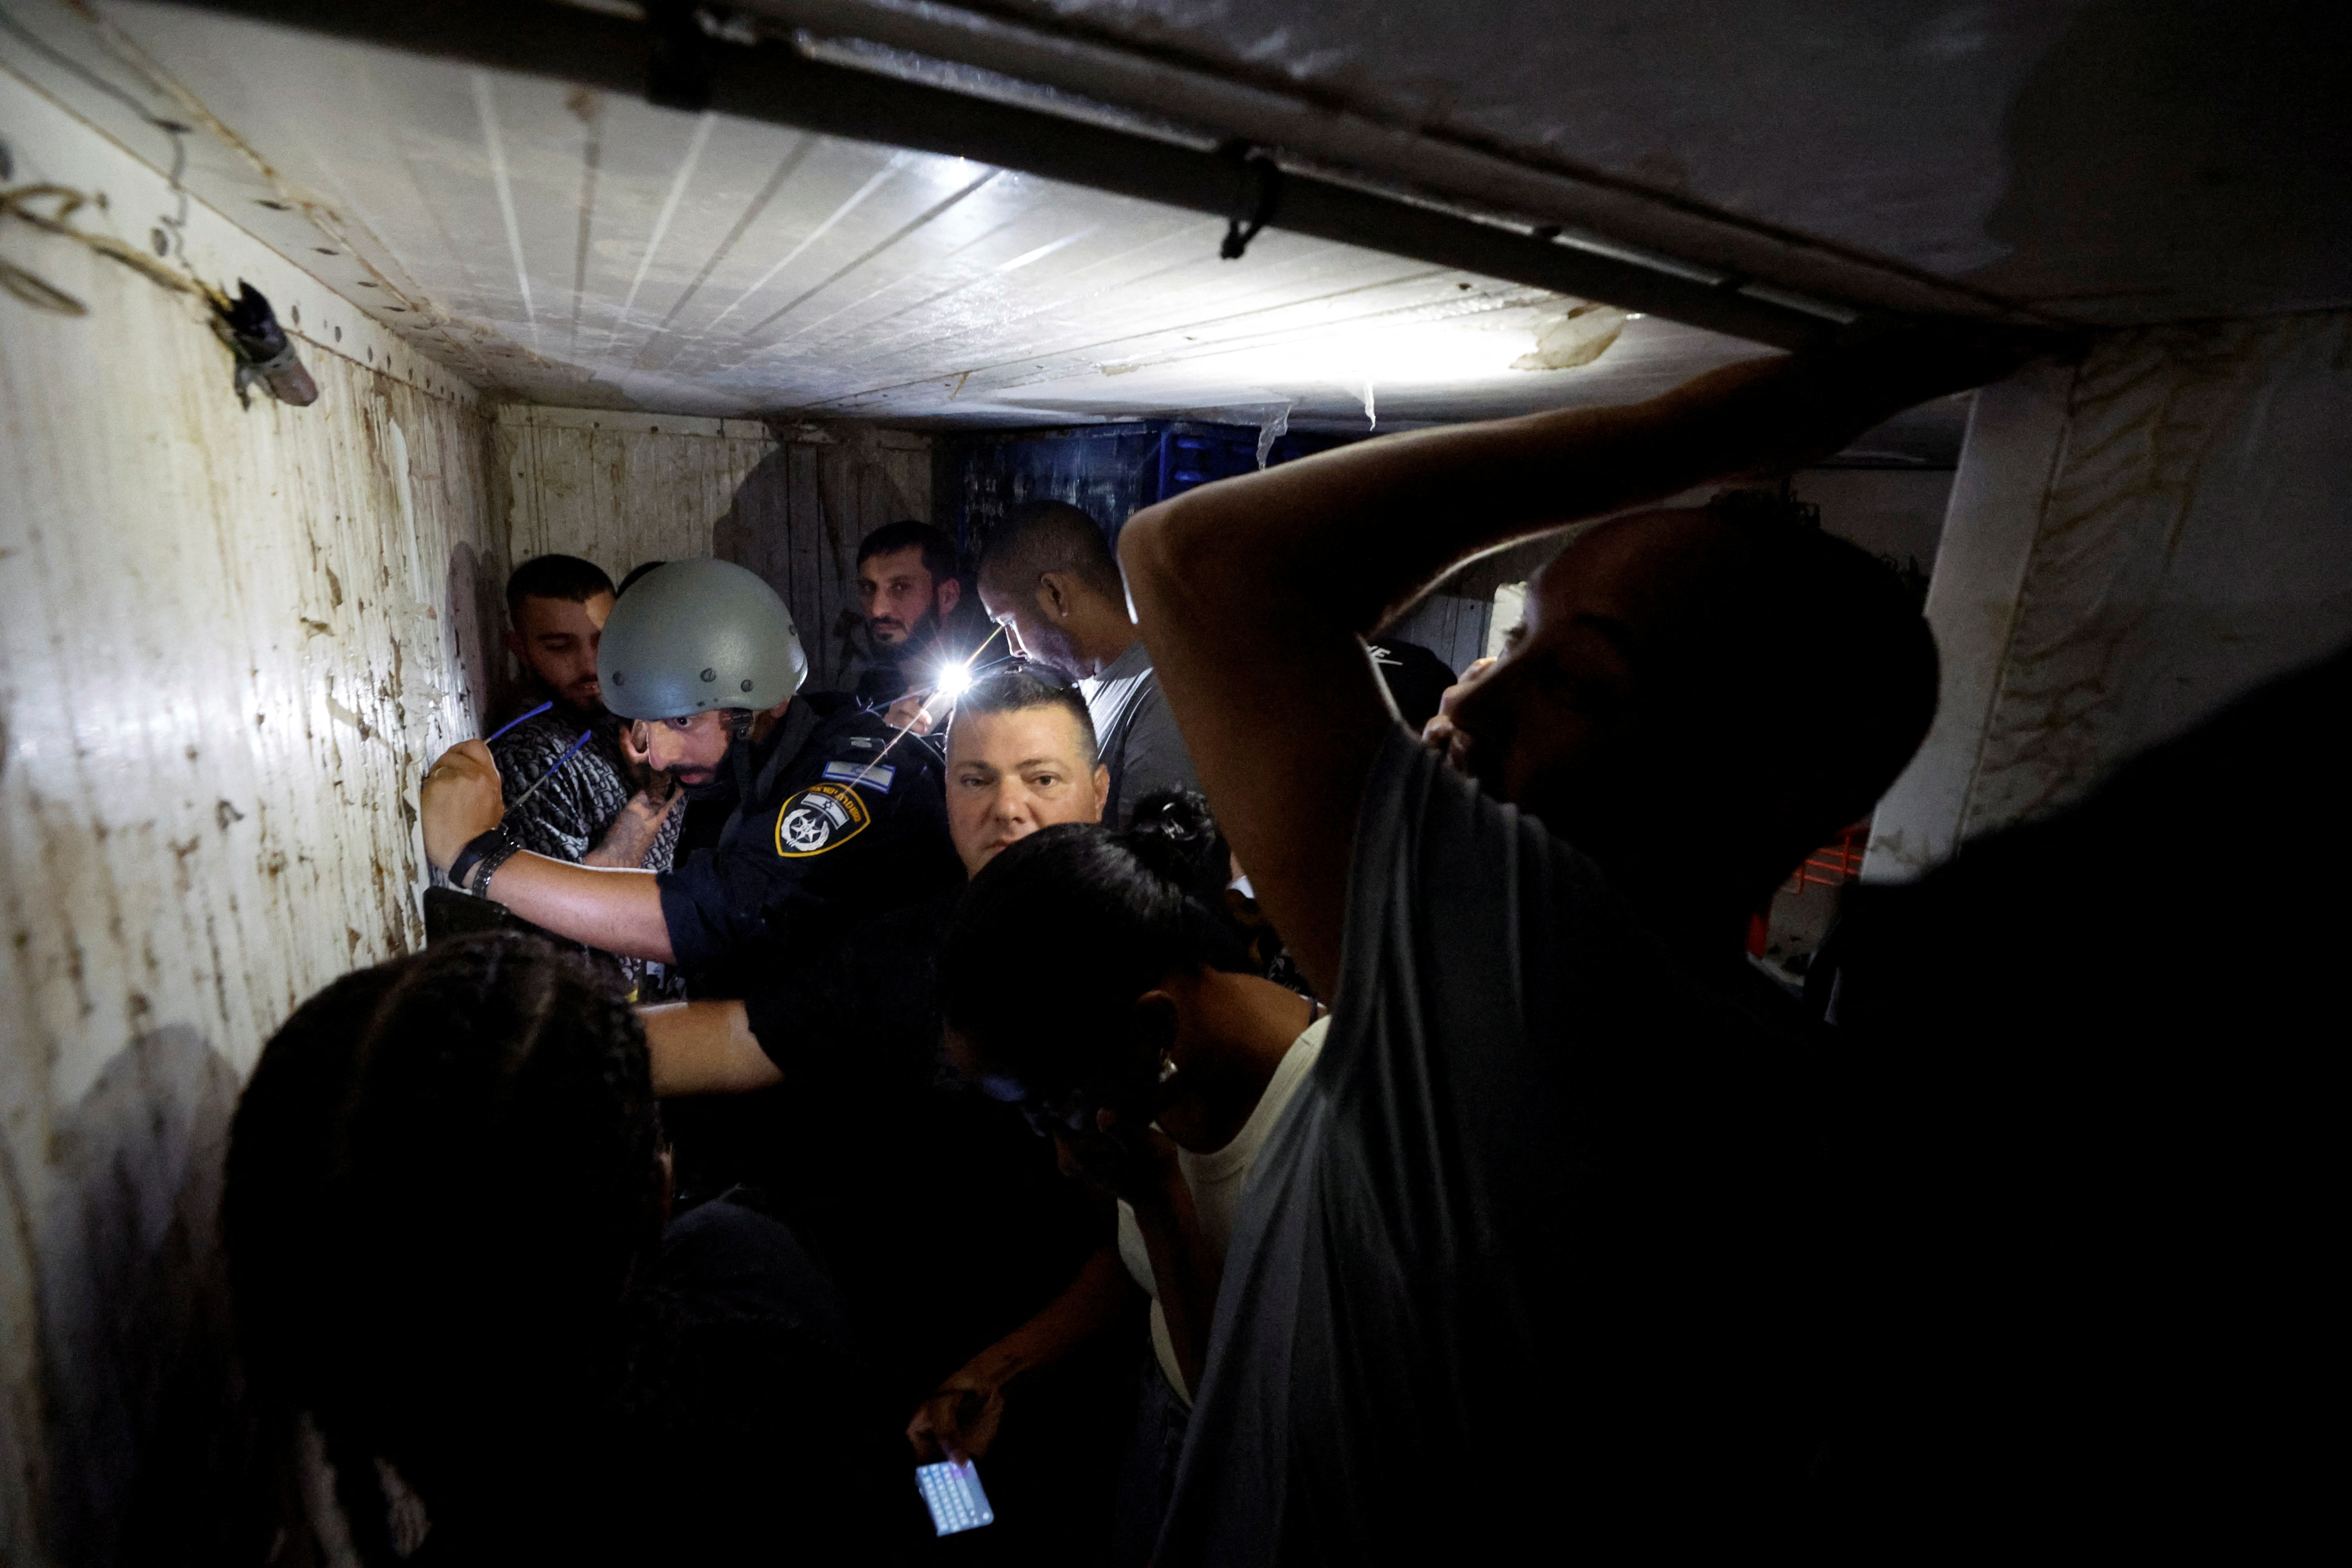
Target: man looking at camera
(909, 589)
(1047, 577)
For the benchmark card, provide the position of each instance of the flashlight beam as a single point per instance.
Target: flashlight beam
(922, 711)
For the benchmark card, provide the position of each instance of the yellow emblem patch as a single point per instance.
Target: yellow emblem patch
(821, 817)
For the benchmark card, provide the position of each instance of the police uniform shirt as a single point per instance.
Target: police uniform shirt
(854, 1028)
(840, 826)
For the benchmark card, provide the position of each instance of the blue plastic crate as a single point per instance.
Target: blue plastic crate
(1108, 471)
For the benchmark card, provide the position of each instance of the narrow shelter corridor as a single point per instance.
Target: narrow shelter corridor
(662, 283)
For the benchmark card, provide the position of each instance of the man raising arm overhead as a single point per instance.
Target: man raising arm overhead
(1526, 1254)
(1254, 594)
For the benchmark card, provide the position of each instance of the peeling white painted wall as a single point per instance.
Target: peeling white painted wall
(233, 640)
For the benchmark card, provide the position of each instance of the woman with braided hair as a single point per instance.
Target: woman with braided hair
(446, 1220)
(1158, 1065)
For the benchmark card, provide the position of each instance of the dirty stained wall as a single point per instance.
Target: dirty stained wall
(2133, 542)
(798, 517)
(790, 501)
(619, 489)
(230, 641)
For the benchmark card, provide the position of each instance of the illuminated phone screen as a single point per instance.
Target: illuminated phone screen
(952, 1492)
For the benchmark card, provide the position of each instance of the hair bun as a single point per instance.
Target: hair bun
(1177, 840)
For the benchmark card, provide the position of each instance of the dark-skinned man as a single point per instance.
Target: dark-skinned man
(1528, 1259)
(1048, 578)
(827, 830)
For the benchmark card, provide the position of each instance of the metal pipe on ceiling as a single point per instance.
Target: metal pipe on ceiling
(670, 56)
(1637, 223)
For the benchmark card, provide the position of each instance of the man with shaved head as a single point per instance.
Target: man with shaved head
(1527, 1259)
(1047, 577)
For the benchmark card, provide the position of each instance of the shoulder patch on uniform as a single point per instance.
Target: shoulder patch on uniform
(821, 817)
(873, 775)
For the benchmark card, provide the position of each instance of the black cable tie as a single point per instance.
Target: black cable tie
(1256, 197)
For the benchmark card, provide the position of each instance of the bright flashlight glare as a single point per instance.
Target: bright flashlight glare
(954, 681)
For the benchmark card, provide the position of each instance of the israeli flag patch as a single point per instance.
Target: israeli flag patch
(874, 776)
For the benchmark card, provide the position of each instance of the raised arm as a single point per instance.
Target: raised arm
(617, 910)
(1254, 594)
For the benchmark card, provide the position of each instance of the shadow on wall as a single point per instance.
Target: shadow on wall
(476, 595)
(2178, 158)
(797, 518)
(151, 1454)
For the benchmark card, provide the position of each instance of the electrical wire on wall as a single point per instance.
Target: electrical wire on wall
(24, 203)
(246, 325)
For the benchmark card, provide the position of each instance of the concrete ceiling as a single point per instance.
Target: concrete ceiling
(2089, 162)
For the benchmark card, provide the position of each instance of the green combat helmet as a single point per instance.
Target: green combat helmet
(696, 635)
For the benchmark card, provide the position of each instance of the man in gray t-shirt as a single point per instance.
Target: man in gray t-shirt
(1527, 1263)
(1047, 577)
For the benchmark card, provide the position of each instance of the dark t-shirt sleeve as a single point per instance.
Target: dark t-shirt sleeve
(718, 901)
(755, 895)
(1450, 895)
(806, 1005)
(859, 1015)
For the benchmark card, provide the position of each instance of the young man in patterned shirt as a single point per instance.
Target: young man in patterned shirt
(603, 806)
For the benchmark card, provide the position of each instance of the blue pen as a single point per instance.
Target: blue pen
(551, 773)
(517, 720)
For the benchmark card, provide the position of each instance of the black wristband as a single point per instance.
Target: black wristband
(489, 850)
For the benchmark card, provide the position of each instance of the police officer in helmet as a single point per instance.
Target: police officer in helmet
(833, 823)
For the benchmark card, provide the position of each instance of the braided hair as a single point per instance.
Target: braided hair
(1116, 911)
(442, 1182)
